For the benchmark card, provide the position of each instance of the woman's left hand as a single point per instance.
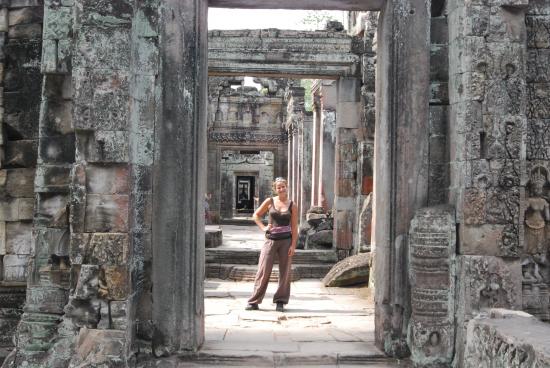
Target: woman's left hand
(291, 251)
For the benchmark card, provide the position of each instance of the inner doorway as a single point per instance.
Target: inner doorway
(244, 197)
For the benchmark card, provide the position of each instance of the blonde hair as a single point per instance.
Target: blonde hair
(278, 180)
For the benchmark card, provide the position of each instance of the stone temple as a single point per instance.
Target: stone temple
(427, 145)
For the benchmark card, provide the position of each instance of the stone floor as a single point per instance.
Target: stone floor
(324, 327)
(241, 236)
(321, 327)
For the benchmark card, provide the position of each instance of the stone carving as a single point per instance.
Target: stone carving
(491, 343)
(432, 245)
(247, 136)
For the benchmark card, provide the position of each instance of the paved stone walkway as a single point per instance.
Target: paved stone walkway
(242, 237)
(321, 327)
(329, 327)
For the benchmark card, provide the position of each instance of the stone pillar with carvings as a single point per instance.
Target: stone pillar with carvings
(348, 124)
(432, 247)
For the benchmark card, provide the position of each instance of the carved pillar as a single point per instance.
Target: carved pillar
(305, 189)
(432, 247)
(348, 123)
(316, 150)
(401, 159)
(179, 179)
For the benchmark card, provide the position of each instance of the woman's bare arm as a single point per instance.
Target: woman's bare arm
(294, 229)
(259, 214)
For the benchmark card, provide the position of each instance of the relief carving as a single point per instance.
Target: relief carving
(535, 265)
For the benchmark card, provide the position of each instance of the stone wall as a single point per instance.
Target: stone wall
(536, 247)
(20, 92)
(489, 171)
(242, 118)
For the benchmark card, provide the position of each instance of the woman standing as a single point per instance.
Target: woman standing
(281, 237)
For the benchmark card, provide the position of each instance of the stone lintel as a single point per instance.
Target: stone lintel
(299, 4)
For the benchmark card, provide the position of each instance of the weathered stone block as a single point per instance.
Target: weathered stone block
(109, 249)
(101, 100)
(353, 270)
(103, 347)
(60, 149)
(503, 338)
(58, 22)
(439, 63)
(107, 179)
(141, 147)
(51, 210)
(538, 139)
(18, 238)
(25, 15)
(87, 286)
(103, 146)
(16, 209)
(118, 314)
(146, 55)
(116, 281)
(52, 178)
(487, 282)
(538, 32)
(106, 213)
(98, 48)
(15, 268)
(213, 236)
(142, 178)
(4, 20)
(56, 115)
(142, 114)
(53, 241)
(538, 65)
(539, 101)
(19, 183)
(22, 153)
(25, 31)
(141, 216)
(2, 241)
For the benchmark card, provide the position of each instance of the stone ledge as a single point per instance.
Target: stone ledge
(506, 338)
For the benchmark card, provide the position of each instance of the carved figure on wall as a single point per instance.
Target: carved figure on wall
(537, 214)
(535, 265)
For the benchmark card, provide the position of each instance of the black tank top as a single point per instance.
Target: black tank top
(278, 218)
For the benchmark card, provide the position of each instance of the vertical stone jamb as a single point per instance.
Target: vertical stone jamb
(179, 179)
(401, 154)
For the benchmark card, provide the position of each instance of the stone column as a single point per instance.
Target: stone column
(290, 175)
(401, 159)
(305, 189)
(179, 179)
(316, 151)
(347, 127)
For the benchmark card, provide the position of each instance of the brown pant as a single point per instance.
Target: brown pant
(271, 249)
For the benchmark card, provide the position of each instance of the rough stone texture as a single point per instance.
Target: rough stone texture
(432, 247)
(282, 52)
(402, 159)
(351, 271)
(504, 338)
(213, 237)
(244, 119)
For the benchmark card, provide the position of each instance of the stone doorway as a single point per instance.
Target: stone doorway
(393, 216)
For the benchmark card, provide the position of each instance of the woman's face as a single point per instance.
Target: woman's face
(280, 187)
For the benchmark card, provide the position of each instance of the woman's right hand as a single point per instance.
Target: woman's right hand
(267, 228)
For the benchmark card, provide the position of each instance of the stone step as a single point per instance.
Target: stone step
(240, 272)
(251, 256)
(207, 357)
